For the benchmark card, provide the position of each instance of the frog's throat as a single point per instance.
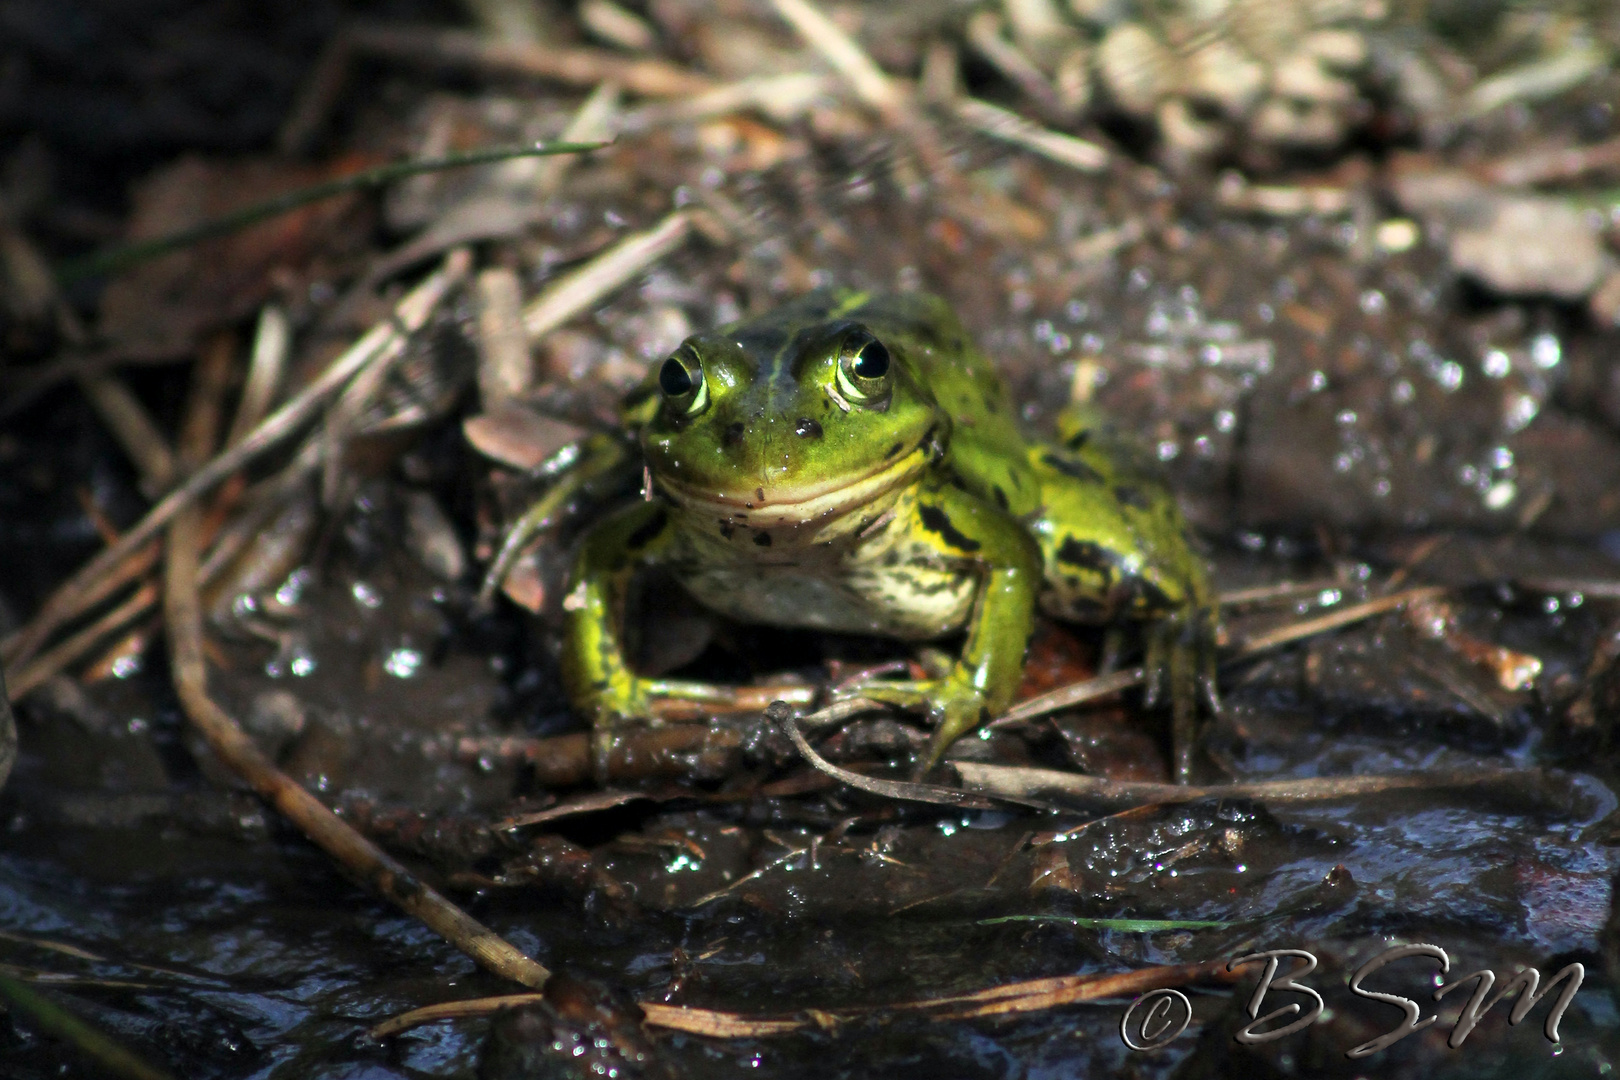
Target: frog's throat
(784, 506)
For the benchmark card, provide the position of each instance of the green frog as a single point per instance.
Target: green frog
(851, 462)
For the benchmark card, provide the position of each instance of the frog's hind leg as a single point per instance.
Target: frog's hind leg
(1178, 664)
(1115, 546)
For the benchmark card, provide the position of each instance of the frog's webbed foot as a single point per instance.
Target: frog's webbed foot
(953, 705)
(1180, 664)
(631, 702)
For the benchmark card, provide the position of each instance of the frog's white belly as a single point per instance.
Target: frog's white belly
(915, 601)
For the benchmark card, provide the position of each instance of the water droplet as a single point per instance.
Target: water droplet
(1501, 458)
(1545, 352)
(1496, 364)
(302, 665)
(1373, 302)
(1346, 417)
(1519, 411)
(1225, 421)
(402, 663)
(1168, 450)
(1500, 494)
(366, 596)
(1402, 392)
(293, 588)
(125, 666)
(1449, 375)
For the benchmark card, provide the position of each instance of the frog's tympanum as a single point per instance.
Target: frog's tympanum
(850, 462)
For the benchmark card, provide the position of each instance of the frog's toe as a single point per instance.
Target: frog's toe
(954, 706)
(1180, 665)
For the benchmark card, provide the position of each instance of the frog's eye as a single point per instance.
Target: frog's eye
(681, 380)
(863, 370)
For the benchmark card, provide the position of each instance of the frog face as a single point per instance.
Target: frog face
(789, 421)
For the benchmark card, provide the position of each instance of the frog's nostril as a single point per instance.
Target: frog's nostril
(807, 428)
(733, 433)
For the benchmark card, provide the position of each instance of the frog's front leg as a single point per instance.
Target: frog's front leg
(954, 527)
(598, 678)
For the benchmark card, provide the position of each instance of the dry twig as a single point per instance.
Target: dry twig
(1014, 781)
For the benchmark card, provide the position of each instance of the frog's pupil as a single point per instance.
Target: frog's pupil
(872, 362)
(673, 378)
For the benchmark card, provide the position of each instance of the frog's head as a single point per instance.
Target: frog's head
(797, 418)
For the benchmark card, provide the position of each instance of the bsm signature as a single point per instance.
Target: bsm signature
(1159, 1016)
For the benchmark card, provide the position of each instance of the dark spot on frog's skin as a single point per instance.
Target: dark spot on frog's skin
(648, 532)
(1001, 497)
(763, 539)
(1087, 556)
(1078, 440)
(733, 433)
(984, 715)
(1145, 597)
(935, 520)
(1073, 468)
(759, 493)
(1133, 497)
(806, 428)
(727, 530)
(891, 451)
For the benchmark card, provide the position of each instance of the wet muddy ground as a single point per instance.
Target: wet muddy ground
(1361, 371)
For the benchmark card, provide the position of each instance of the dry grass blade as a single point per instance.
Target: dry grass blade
(585, 804)
(577, 67)
(1009, 127)
(1038, 995)
(845, 55)
(781, 97)
(719, 1025)
(77, 593)
(1283, 590)
(129, 422)
(1073, 694)
(609, 270)
(267, 366)
(1014, 781)
(450, 1010)
(1333, 620)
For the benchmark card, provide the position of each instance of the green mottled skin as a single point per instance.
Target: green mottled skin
(789, 490)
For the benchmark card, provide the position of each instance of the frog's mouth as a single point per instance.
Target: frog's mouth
(784, 505)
